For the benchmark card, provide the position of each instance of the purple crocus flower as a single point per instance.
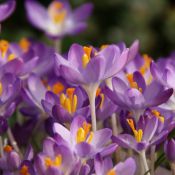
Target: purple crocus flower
(58, 20)
(6, 9)
(85, 65)
(145, 134)
(135, 95)
(105, 166)
(163, 71)
(82, 141)
(88, 67)
(9, 160)
(54, 159)
(65, 106)
(9, 89)
(37, 57)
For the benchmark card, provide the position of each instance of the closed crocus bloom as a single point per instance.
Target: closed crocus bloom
(169, 148)
(58, 19)
(6, 9)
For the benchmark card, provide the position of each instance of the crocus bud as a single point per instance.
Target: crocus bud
(169, 148)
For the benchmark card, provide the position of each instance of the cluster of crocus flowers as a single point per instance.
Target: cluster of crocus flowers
(105, 110)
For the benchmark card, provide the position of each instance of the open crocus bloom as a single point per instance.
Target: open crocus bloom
(86, 65)
(105, 167)
(144, 134)
(135, 95)
(6, 9)
(82, 140)
(58, 20)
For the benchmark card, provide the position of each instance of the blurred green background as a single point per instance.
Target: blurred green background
(150, 21)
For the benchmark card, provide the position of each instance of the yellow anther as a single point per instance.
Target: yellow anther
(132, 83)
(158, 115)
(84, 134)
(57, 88)
(86, 56)
(69, 101)
(98, 92)
(138, 134)
(62, 99)
(90, 137)
(59, 17)
(4, 45)
(58, 160)
(86, 127)
(24, 43)
(67, 105)
(74, 104)
(146, 65)
(48, 161)
(102, 100)
(80, 135)
(24, 170)
(1, 88)
(70, 92)
(8, 148)
(111, 172)
(11, 57)
(129, 77)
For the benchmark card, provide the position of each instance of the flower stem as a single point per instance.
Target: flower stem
(57, 45)
(113, 117)
(91, 92)
(13, 141)
(153, 148)
(144, 161)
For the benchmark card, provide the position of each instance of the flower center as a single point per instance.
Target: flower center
(4, 45)
(86, 56)
(146, 65)
(24, 170)
(57, 88)
(111, 172)
(137, 133)
(57, 12)
(132, 83)
(84, 134)
(8, 148)
(158, 115)
(69, 101)
(24, 44)
(56, 162)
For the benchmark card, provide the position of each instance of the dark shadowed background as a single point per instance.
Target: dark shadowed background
(150, 21)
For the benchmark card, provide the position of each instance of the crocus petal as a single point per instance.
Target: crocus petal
(126, 168)
(83, 12)
(138, 78)
(62, 131)
(37, 14)
(6, 9)
(133, 50)
(101, 137)
(84, 149)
